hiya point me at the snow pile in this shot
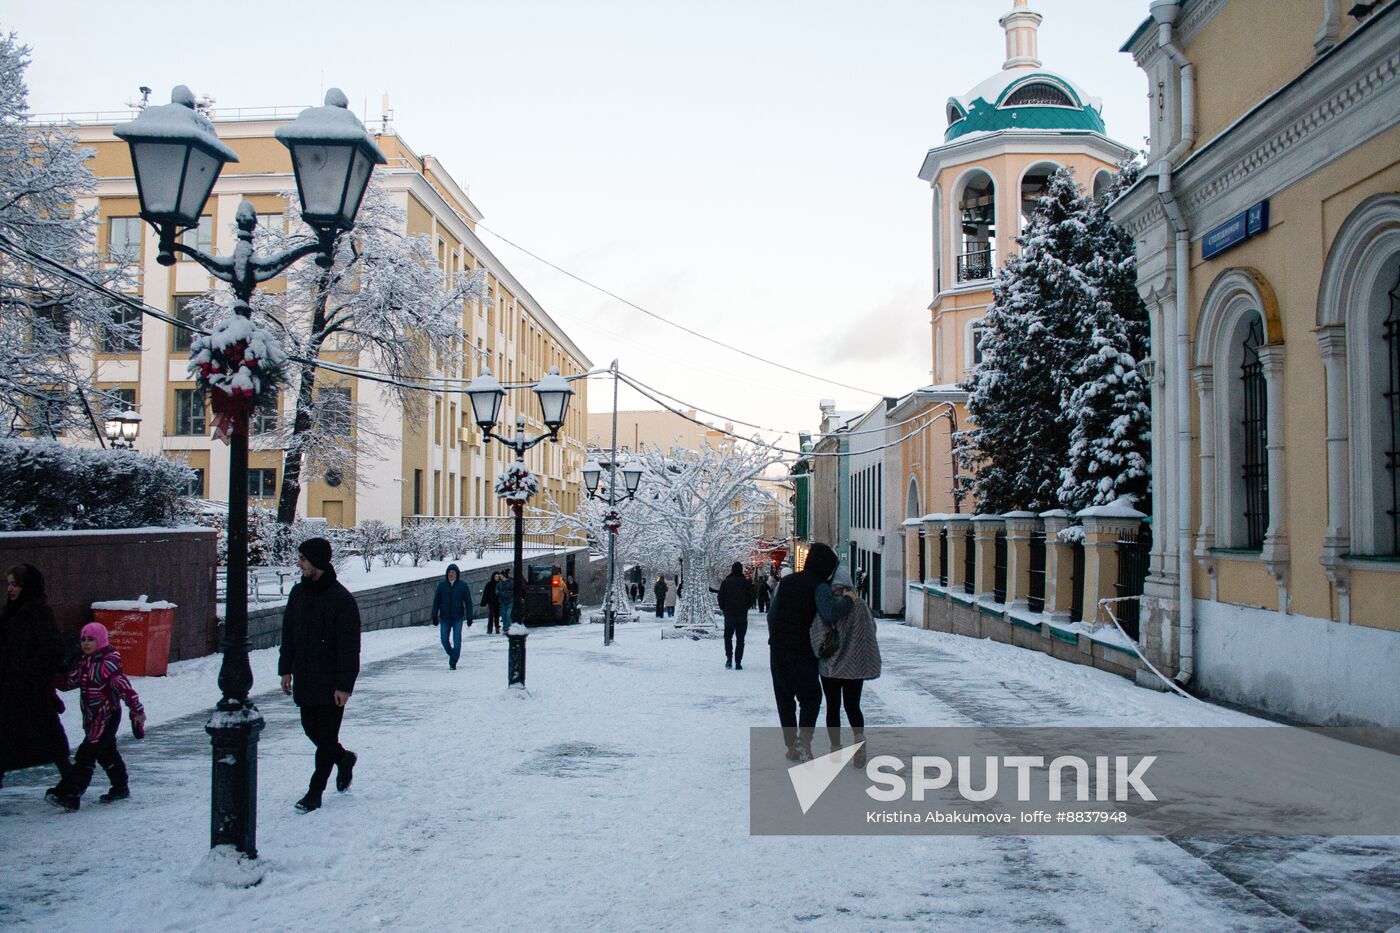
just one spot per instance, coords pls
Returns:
(133, 605)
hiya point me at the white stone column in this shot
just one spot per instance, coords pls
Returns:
(1275, 551)
(1336, 541)
(1205, 394)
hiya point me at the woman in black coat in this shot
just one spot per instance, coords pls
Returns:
(31, 653)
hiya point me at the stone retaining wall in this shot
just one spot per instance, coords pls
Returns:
(399, 605)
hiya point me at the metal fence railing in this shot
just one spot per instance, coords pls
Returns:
(1134, 554)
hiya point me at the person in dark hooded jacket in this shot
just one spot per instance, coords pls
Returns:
(735, 598)
(31, 653)
(452, 603)
(319, 661)
(800, 598)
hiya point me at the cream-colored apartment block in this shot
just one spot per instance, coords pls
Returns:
(436, 466)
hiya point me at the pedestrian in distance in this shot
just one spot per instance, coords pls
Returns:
(801, 596)
(844, 673)
(31, 652)
(673, 593)
(452, 603)
(319, 661)
(760, 590)
(104, 687)
(735, 598)
(492, 600)
(660, 590)
(505, 593)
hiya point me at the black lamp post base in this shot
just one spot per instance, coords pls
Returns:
(515, 662)
(233, 730)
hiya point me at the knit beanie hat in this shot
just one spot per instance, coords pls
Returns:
(841, 578)
(317, 551)
(96, 631)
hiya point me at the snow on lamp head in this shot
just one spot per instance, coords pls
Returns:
(632, 476)
(554, 393)
(332, 156)
(592, 473)
(177, 157)
(486, 393)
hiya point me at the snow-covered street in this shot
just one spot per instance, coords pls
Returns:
(615, 797)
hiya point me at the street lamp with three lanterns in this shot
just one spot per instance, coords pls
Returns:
(486, 394)
(177, 157)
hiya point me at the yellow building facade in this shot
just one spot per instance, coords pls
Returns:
(436, 466)
(1267, 229)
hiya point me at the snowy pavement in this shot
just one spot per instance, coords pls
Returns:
(615, 797)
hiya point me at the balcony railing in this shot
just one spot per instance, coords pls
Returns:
(974, 265)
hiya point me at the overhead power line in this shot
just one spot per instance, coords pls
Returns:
(665, 320)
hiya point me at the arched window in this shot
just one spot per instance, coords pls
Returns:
(1033, 185)
(977, 211)
(1254, 441)
(1357, 332)
(1239, 384)
(1038, 94)
(937, 240)
(955, 114)
(1390, 415)
(1103, 181)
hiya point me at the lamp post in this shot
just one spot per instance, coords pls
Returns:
(121, 429)
(631, 479)
(486, 394)
(177, 157)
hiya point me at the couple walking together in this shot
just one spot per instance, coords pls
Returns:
(808, 605)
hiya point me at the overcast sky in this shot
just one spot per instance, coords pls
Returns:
(748, 169)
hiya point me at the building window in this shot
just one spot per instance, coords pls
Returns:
(189, 412)
(1390, 334)
(1034, 184)
(264, 419)
(48, 410)
(1038, 94)
(124, 238)
(118, 400)
(124, 336)
(194, 486)
(182, 337)
(52, 327)
(417, 492)
(262, 482)
(979, 332)
(334, 409)
(1254, 464)
(201, 236)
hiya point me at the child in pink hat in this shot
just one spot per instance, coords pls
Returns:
(98, 674)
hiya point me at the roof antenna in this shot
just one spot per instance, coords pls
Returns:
(385, 113)
(145, 99)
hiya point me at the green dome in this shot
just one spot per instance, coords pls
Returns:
(1023, 99)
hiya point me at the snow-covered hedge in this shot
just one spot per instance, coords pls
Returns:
(48, 486)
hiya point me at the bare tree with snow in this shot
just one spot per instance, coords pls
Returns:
(49, 326)
(384, 305)
(701, 506)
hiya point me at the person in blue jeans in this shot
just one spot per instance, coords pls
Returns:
(505, 592)
(452, 604)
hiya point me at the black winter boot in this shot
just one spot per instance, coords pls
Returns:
(345, 771)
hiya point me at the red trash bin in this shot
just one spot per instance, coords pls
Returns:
(140, 631)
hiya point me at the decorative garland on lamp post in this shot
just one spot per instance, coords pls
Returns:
(239, 365)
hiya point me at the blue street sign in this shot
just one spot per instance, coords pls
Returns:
(1236, 230)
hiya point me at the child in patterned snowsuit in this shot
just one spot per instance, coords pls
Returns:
(98, 674)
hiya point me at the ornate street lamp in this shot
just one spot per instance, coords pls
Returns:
(177, 157)
(121, 428)
(486, 394)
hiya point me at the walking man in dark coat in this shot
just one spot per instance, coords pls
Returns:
(799, 599)
(735, 598)
(319, 662)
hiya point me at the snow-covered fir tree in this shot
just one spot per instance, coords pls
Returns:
(1108, 408)
(1060, 343)
(50, 326)
(385, 305)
